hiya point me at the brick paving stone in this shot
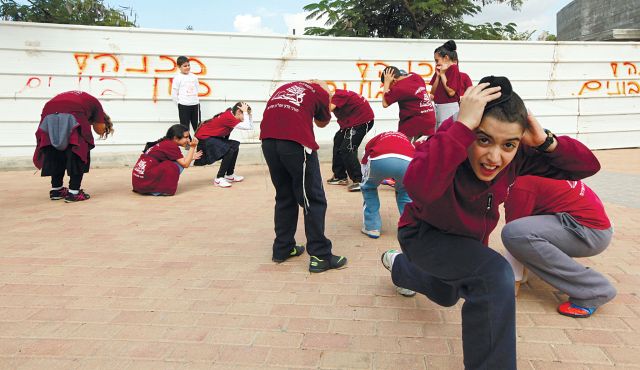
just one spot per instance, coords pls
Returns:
(132, 294)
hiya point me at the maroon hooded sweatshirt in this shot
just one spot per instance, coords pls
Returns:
(447, 194)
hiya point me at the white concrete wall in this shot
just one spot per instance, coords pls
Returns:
(587, 90)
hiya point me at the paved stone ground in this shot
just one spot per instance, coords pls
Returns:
(131, 282)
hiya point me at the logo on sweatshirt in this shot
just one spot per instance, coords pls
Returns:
(294, 95)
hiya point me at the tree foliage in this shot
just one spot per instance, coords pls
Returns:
(439, 19)
(86, 12)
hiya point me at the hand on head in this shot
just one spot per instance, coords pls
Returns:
(388, 75)
(534, 135)
(244, 107)
(473, 102)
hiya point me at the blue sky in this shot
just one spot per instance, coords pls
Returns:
(280, 16)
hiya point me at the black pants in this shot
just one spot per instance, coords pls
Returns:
(228, 165)
(189, 113)
(57, 162)
(447, 267)
(345, 152)
(291, 169)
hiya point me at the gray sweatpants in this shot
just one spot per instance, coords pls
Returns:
(545, 244)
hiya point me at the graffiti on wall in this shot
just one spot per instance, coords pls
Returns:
(102, 74)
(369, 73)
(625, 81)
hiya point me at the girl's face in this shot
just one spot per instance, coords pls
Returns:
(494, 148)
(441, 60)
(185, 68)
(182, 141)
(239, 115)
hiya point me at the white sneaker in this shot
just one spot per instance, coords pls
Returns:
(373, 234)
(388, 257)
(222, 182)
(234, 178)
(405, 292)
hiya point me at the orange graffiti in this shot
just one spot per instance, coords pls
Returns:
(203, 67)
(592, 85)
(81, 60)
(174, 65)
(103, 65)
(614, 87)
(363, 67)
(207, 92)
(144, 69)
(630, 66)
(108, 91)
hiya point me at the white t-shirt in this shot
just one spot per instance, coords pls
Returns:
(185, 89)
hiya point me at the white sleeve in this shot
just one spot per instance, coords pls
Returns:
(175, 87)
(246, 124)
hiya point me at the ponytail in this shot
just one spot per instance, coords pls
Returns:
(448, 49)
(176, 130)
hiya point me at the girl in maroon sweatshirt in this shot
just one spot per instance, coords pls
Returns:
(548, 223)
(215, 143)
(456, 180)
(64, 141)
(417, 116)
(446, 83)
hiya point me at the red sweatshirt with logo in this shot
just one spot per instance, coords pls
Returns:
(447, 194)
(533, 195)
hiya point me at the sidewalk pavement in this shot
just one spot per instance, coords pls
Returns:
(124, 281)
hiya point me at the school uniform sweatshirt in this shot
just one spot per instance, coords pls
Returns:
(447, 194)
(533, 195)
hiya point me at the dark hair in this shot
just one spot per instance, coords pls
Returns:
(174, 131)
(396, 72)
(448, 49)
(108, 126)
(511, 110)
(235, 108)
(182, 60)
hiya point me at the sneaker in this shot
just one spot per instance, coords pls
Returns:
(354, 187)
(373, 234)
(336, 181)
(388, 257)
(234, 178)
(295, 252)
(72, 198)
(335, 262)
(58, 194)
(573, 310)
(389, 182)
(222, 182)
(405, 292)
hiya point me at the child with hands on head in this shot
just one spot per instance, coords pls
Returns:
(215, 143)
(417, 117)
(456, 181)
(158, 169)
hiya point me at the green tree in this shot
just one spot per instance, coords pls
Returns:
(86, 12)
(409, 19)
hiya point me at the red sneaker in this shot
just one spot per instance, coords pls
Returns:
(72, 198)
(58, 194)
(572, 310)
(389, 182)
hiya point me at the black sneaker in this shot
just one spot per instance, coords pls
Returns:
(295, 252)
(72, 198)
(58, 194)
(335, 262)
(354, 187)
(336, 181)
